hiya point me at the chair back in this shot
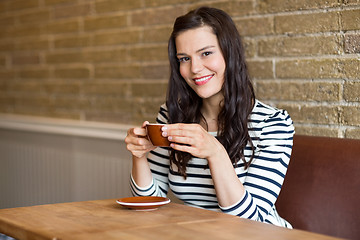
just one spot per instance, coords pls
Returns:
(321, 191)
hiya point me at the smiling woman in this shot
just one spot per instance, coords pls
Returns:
(229, 152)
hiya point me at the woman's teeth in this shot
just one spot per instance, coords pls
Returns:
(203, 80)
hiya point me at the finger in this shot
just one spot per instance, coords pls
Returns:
(187, 126)
(143, 142)
(182, 140)
(141, 132)
(178, 132)
(182, 148)
(144, 124)
(140, 145)
(142, 148)
(182, 129)
(134, 138)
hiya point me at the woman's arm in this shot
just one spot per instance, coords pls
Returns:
(228, 187)
(265, 176)
(139, 145)
(158, 164)
(150, 165)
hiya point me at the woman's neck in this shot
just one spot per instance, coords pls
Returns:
(210, 110)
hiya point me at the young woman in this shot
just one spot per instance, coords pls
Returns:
(229, 151)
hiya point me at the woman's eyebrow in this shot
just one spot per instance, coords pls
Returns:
(204, 48)
(200, 50)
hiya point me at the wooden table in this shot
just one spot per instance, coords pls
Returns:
(105, 219)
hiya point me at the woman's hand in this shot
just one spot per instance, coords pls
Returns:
(194, 139)
(137, 142)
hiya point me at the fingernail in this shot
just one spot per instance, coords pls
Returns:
(164, 134)
(164, 128)
(170, 138)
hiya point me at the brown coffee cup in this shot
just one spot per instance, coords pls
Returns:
(154, 135)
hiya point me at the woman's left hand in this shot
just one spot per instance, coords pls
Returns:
(192, 138)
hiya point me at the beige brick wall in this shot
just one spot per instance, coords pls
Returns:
(106, 60)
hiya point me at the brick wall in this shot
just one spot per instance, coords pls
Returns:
(106, 60)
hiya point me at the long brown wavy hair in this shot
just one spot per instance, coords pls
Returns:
(184, 104)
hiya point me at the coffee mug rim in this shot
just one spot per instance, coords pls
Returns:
(155, 124)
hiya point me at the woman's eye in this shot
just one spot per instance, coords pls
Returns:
(184, 59)
(206, 53)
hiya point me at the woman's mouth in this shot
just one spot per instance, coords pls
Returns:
(203, 80)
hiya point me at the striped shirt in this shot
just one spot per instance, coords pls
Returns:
(271, 131)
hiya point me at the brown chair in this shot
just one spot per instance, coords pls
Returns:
(321, 191)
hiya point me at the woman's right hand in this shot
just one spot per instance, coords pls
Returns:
(137, 142)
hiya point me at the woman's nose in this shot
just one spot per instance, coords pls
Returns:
(196, 65)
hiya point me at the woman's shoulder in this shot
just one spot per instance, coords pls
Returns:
(270, 125)
(263, 113)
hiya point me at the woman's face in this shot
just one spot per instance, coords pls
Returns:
(202, 64)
